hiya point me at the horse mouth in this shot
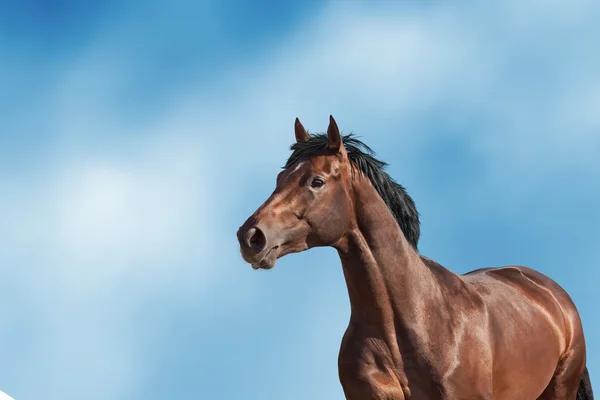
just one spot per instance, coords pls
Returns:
(268, 261)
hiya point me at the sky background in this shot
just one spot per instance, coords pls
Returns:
(135, 138)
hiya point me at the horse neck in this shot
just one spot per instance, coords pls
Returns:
(388, 282)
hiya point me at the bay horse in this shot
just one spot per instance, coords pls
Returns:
(416, 329)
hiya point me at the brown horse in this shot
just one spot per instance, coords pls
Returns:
(416, 330)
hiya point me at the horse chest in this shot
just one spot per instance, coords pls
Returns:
(369, 369)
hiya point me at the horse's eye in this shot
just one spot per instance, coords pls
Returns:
(317, 183)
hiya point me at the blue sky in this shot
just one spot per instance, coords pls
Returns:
(137, 136)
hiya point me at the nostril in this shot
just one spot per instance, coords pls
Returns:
(248, 236)
(255, 239)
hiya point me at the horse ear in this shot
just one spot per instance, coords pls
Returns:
(333, 136)
(301, 134)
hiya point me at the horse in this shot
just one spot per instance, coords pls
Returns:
(416, 330)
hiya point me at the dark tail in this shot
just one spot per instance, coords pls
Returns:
(585, 387)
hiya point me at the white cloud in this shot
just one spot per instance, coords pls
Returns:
(368, 64)
(89, 240)
(98, 210)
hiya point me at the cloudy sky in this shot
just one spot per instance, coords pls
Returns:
(137, 136)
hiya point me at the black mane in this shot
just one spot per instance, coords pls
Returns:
(398, 201)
